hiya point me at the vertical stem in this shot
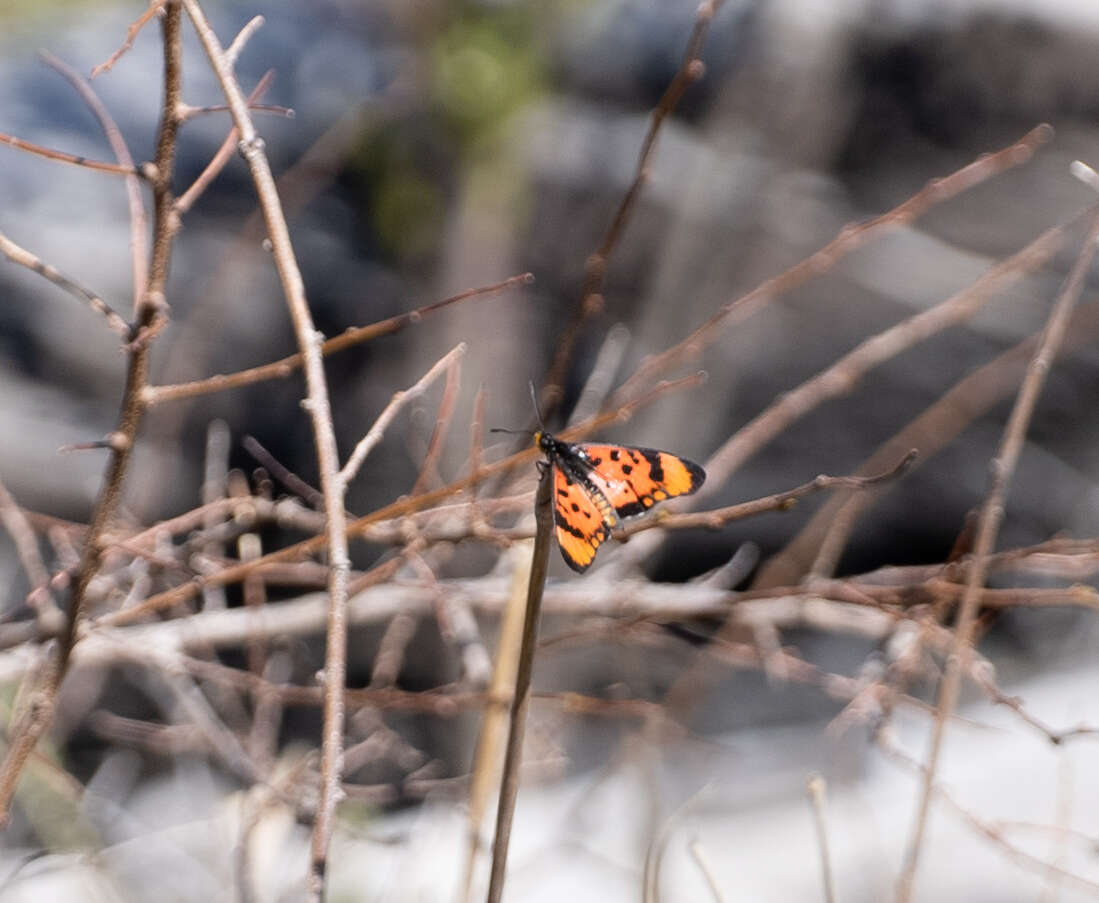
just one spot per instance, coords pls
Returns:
(324, 437)
(509, 783)
(1001, 470)
(25, 734)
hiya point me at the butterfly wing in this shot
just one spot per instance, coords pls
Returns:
(635, 479)
(581, 526)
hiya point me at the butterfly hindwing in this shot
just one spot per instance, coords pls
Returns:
(635, 479)
(581, 526)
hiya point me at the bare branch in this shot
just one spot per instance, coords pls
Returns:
(1001, 470)
(131, 34)
(138, 245)
(354, 336)
(25, 258)
(399, 400)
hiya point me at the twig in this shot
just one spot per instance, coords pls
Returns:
(24, 735)
(139, 251)
(399, 508)
(128, 41)
(1016, 855)
(842, 376)
(849, 238)
(280, 472)
(780, 501)
(1001, 470)
(224, 153)
(690, 70)
(26, 547)
(215, 481)
(816, 788)
(236, 46)
(25, 258)
(520, 701)
(190, 112)
(287, 365)
(602, 374)
(74, 159)
(825, 536)
(494, 720)
(316, 403)
(374, 434)
(703, 864)
(391, 649)
(429, 468)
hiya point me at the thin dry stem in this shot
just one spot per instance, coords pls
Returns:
(73, 159)
(317, 406)
(520, 700)
(139, 251)
(1001, 470)
(224, 153)
(354, 336)
(591, 302)
(26, 547)
(849, 238)
(844, 375)
(429, 468)
(25, 258)
(25, 734)
(131, 34)
(301, 550)
(817, 794)
(374, 435)
(820, 543)
(236, 47)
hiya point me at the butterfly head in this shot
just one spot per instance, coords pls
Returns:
(545, 442)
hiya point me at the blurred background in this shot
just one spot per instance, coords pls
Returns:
(439, 146)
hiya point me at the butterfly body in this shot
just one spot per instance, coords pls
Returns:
(595, 486)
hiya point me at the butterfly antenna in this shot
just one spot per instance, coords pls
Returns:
(500, 429)
(537, 410)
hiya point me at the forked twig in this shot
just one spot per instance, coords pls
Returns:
(223, 154)
(399, 400)
(131, 34)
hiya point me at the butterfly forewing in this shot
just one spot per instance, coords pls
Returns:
(635, 479)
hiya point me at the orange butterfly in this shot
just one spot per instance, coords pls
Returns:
(595, 485)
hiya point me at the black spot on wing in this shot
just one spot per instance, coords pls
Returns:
(630, 509)
(563, 524)
(656, 469)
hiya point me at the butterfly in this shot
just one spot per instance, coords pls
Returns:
(596, 485)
